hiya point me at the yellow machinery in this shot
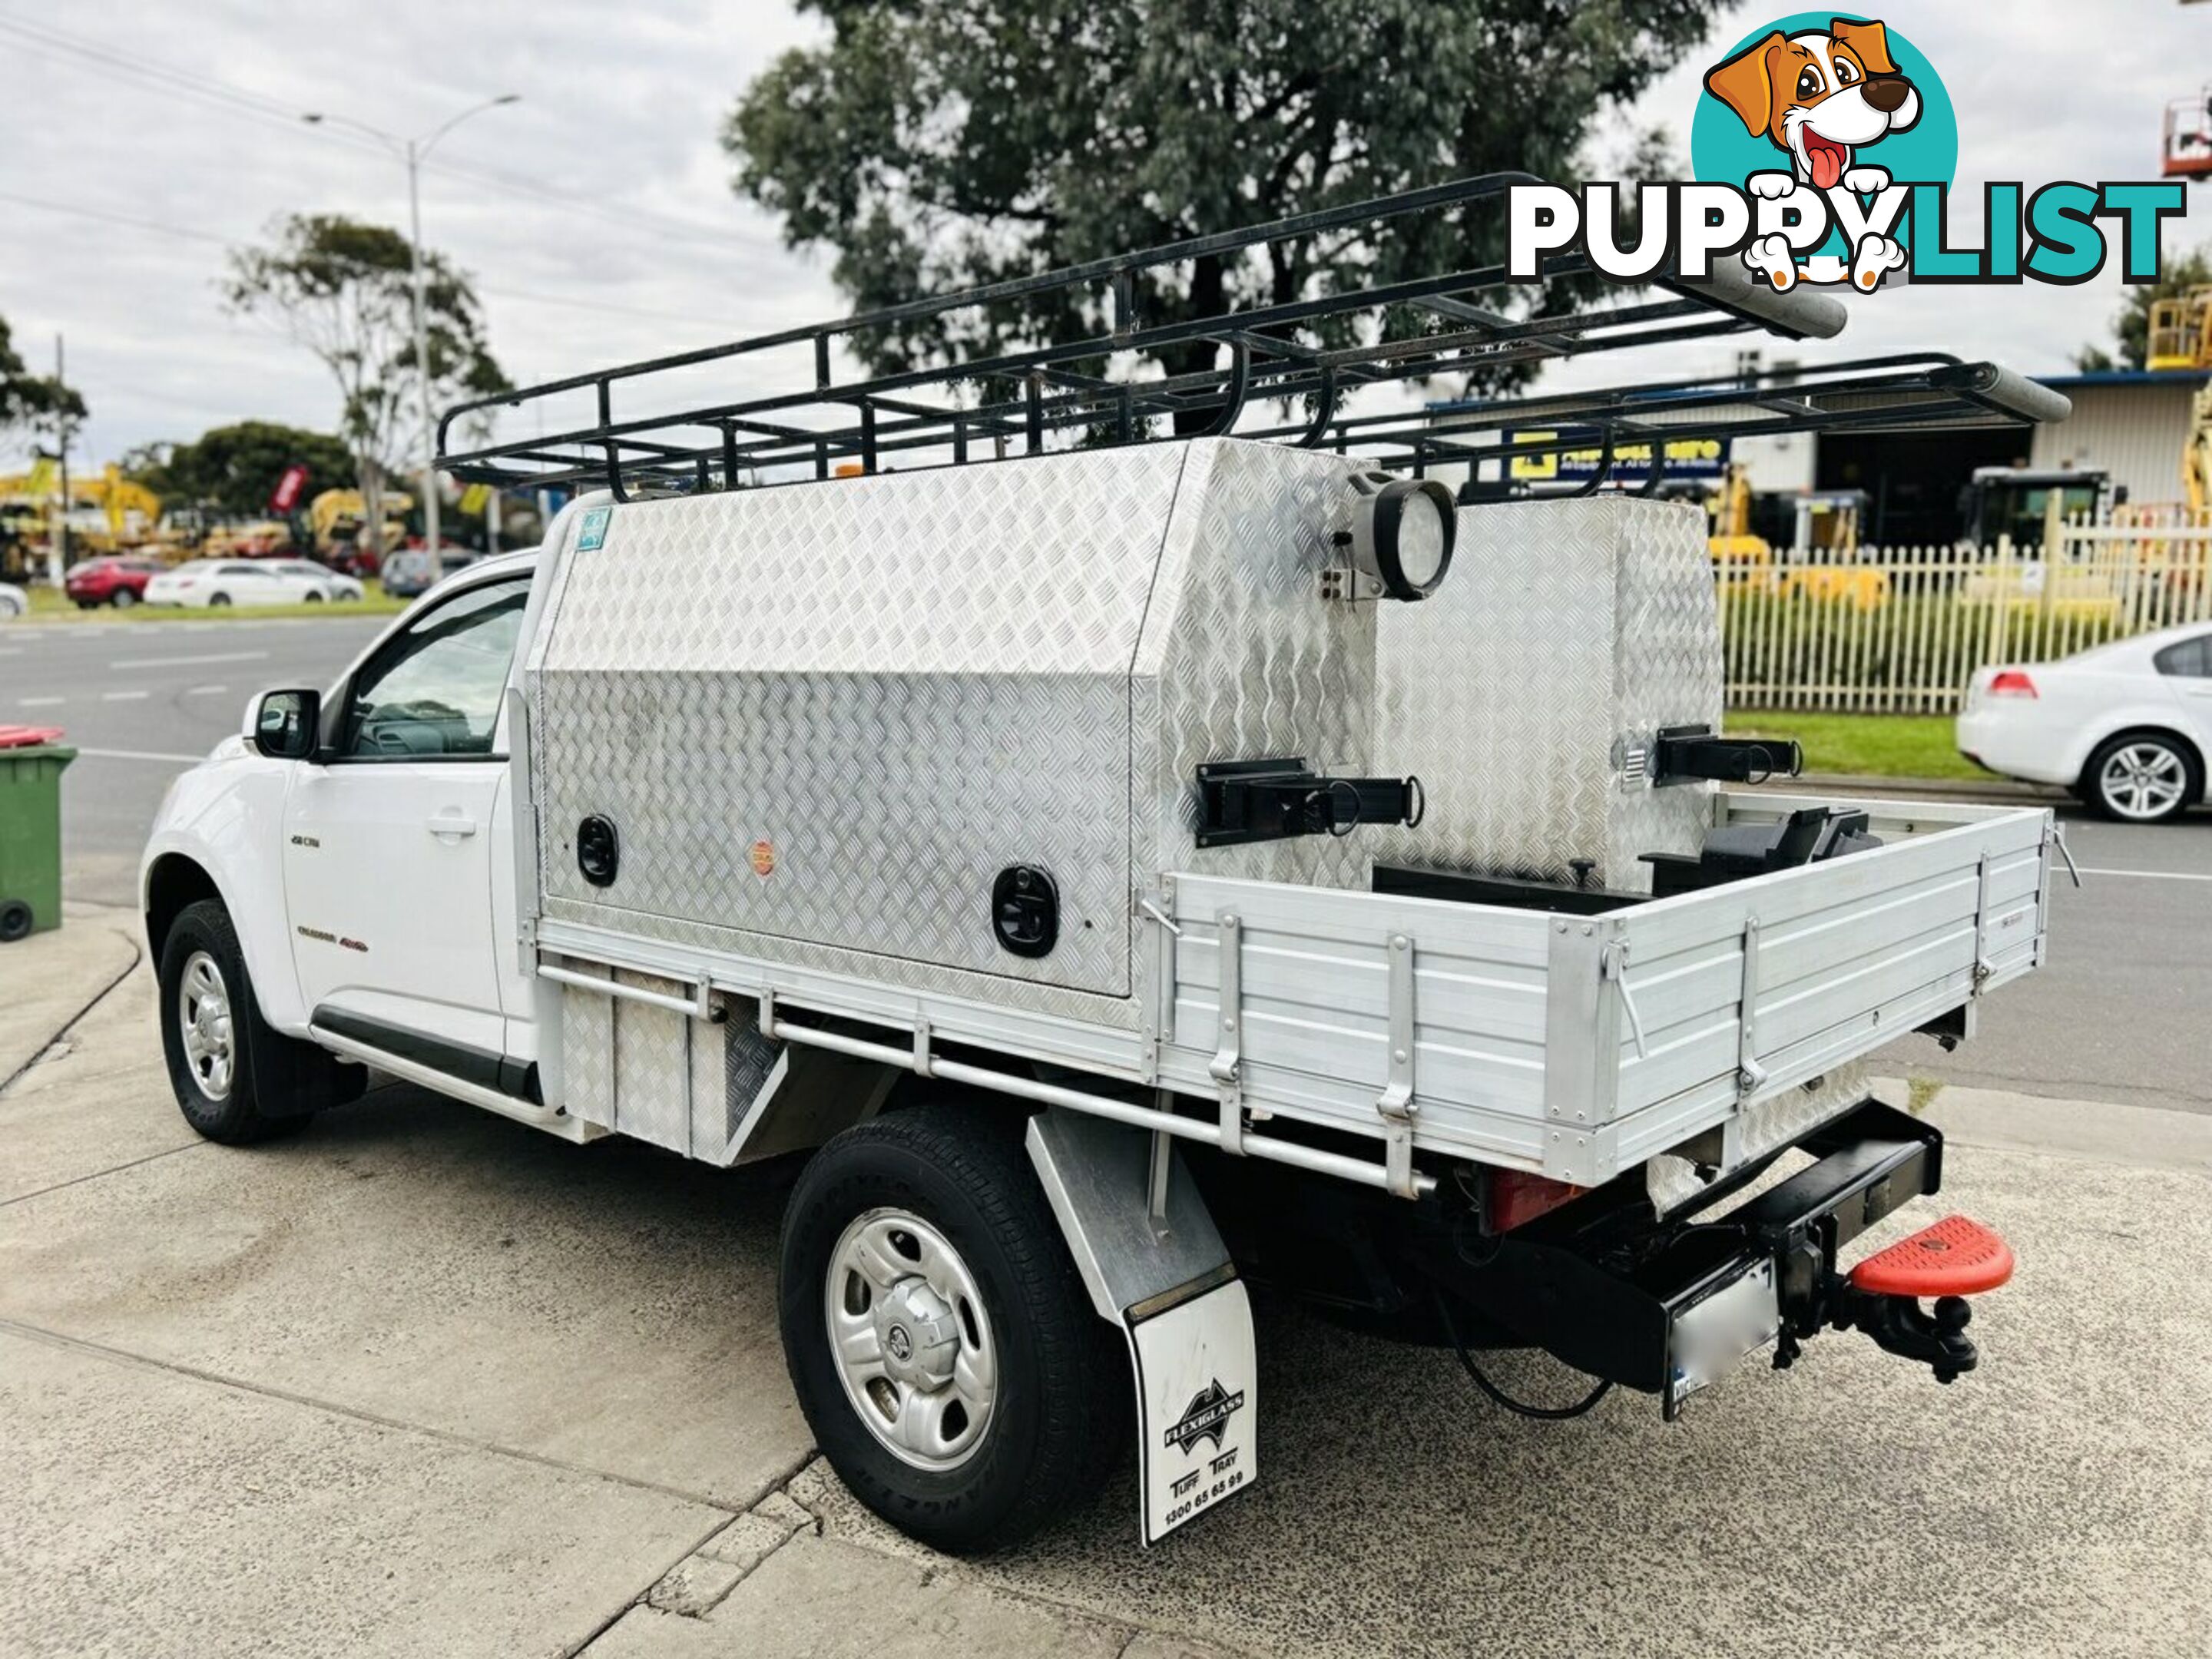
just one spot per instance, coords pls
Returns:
(2181, 337)
(1826, 525)
(337, 516)
(261, 538)
(2196, 452)
(107, 513)
(1733, 546)
(2181, 331)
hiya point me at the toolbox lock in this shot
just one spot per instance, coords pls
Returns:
(1025, 910)
(598, 850)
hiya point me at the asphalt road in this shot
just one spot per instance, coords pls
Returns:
(143, 701)
(2119, 1013)
(2123, 1009)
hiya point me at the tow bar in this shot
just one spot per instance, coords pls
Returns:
(1673, 1321)
(1953, 1260)
(1886, 1157)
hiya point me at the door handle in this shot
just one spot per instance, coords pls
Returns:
(450, 823)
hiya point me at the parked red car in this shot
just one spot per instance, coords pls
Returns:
(118, 582)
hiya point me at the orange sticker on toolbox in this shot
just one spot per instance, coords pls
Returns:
(762, 857)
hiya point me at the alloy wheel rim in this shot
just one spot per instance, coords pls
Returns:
(2143, 779)
(912, 1342)
(203, 1022)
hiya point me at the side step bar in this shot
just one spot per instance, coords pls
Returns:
(374, 1043)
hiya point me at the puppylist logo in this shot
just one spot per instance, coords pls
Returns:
(1824, 149)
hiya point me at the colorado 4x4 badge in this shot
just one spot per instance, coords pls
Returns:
(1207, 1417)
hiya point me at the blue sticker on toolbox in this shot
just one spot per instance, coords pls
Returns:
(594, 535)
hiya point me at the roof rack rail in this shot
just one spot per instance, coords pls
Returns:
(1110, 388)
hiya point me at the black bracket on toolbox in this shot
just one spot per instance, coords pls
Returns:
(1241, 801)
(1680, 753)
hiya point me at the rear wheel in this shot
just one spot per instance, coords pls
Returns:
(314, 596)
(218, 598)
(943, 1347)
(2143, 777)
(236, 1079)
(123, 599)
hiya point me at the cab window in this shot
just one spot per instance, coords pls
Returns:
(433, 690)
(2188, 659)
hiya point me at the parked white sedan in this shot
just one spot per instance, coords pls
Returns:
(336, 584)
(233, 581)
(2126, 726)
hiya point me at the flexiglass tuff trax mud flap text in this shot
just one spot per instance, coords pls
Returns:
(1156, 1267)
(1196, 1405)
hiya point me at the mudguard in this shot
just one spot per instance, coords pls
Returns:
(1157, 1270)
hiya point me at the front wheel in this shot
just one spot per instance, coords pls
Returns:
(236, 1081)
(940, 1340)
(2143, 777)
(123, 599)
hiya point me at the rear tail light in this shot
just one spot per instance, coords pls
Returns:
(1516, 1197)
(2012, 683)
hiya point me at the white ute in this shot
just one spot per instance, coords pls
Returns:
(1147, 865)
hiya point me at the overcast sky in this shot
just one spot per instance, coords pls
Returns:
(597, 217)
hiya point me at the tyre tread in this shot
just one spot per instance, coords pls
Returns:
(1082, 1376)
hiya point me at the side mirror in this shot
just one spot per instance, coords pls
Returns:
(285, 723)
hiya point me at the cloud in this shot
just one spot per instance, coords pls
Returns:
(618, 122)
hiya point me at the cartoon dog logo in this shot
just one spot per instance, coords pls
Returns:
(1820, 99)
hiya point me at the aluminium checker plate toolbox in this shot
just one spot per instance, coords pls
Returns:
(823, 717)
(1526, 692)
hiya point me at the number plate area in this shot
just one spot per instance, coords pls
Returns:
(1713, 1335)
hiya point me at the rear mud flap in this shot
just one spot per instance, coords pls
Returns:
(1157, 1269)
(1196, 1404)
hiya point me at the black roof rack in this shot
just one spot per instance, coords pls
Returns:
(1107, 388)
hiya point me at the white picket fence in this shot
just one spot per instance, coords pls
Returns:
(1901, 630)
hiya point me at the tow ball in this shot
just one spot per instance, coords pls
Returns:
(1897, 1324)
(1953, 1260)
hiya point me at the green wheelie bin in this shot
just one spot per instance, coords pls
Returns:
(32, 760)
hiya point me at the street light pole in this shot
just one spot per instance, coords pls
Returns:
(413, 152)
(430, 534)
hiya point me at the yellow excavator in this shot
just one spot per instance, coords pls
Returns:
(335, 518)
(129, 513)
(1824, 542)
(1733, 544)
